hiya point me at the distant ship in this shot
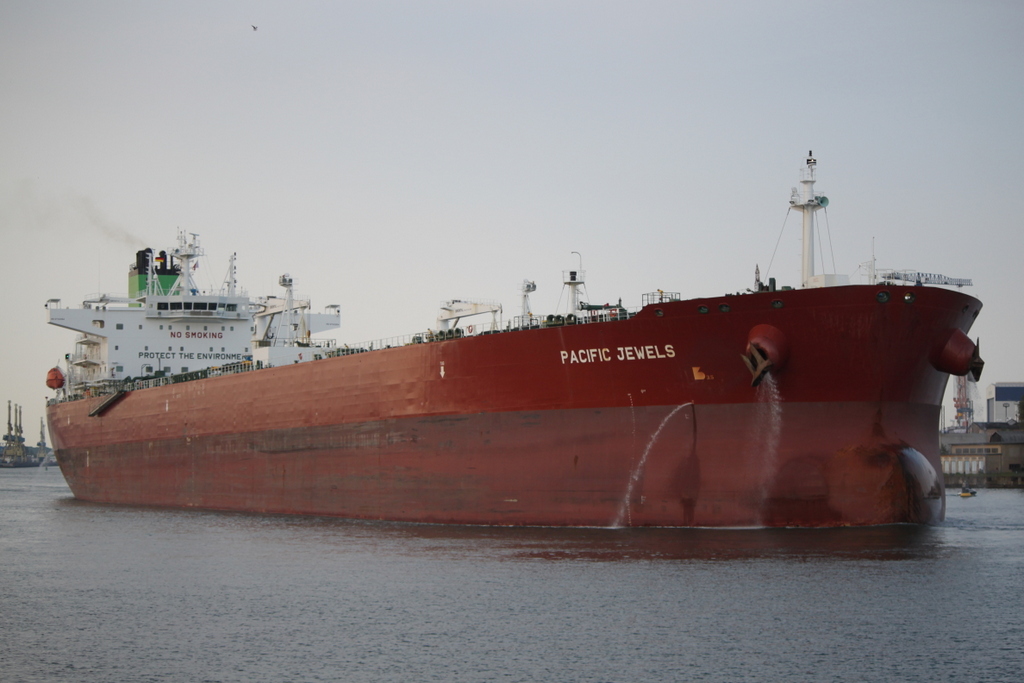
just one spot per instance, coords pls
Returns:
(814, 406)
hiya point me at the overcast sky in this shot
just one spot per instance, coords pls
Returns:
(391, 155)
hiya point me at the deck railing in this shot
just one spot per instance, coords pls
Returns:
(329, 349)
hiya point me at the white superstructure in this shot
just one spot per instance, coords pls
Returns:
(168, 326)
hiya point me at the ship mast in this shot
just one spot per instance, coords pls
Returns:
(528, 287)
(186, 252)
(573, 279)
(231, 279)
(292, 320)
(805, 201)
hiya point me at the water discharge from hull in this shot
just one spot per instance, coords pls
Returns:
(634, 477)
(766, 436)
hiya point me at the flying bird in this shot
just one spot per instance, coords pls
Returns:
(253, 27)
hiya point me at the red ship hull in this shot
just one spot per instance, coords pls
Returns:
(647, 421)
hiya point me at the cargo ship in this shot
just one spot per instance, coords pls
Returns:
(815, 405)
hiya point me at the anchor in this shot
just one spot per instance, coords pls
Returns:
(767, 349)
(977, 364)
(955, 353)
(758, 363)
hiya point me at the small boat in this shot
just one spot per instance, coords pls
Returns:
(967, 492)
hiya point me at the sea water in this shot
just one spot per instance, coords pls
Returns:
(110, 593)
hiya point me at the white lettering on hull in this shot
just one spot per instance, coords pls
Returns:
(620, 353)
